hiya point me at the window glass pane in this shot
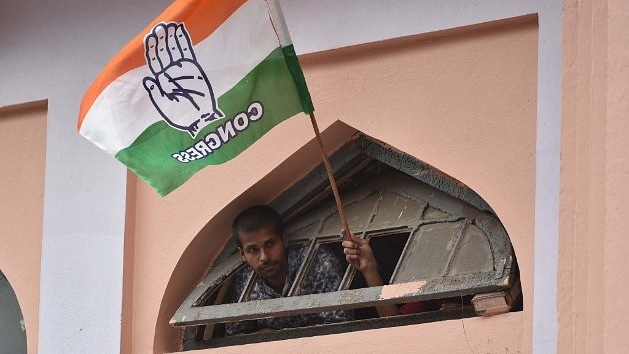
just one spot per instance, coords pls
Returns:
(432, 213)
(428, 252)
(474, 254)
(396, 209)
(357, 213)
(308, 229)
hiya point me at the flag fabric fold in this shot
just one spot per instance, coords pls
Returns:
(197, 87)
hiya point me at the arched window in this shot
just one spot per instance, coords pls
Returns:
(440, 248)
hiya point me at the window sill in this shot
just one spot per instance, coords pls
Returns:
(335, 328)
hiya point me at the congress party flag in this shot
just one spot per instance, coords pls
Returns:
(197, 87)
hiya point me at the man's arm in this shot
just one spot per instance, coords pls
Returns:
(360, 255)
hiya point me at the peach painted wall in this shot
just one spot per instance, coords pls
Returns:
(463, 101)
(500, 334)
(23, 148)
(594, 173)
(616, 177)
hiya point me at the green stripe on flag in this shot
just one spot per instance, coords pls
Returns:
(270, 83)
(298, 77)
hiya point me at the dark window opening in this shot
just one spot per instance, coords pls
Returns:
(387, 250)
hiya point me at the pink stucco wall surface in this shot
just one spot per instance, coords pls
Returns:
(21, 209)
(463, 101)
(617, 174)
(474, 335)
(594, 172)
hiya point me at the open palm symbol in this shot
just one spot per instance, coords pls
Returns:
(178, 88)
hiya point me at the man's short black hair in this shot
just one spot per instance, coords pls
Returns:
(255, 218)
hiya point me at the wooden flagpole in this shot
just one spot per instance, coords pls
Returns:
(328, 169)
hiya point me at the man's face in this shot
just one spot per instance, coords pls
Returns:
(265, 251)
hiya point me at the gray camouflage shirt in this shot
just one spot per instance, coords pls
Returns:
(325, 275)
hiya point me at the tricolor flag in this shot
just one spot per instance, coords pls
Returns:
(197, 87)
